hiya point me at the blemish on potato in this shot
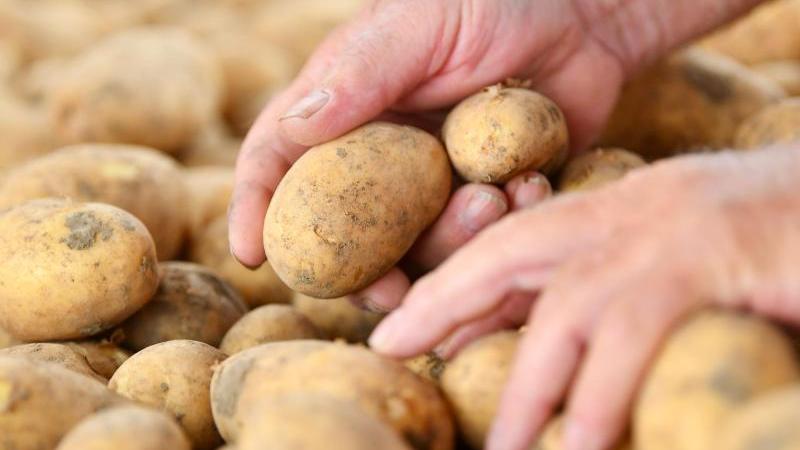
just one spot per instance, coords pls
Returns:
(85, 228)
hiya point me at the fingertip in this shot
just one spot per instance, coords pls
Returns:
(528, 190)
(385, 294)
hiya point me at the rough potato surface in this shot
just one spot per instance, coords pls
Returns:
(338, 318)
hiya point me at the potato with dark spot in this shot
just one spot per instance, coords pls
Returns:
(768, 422)
(174, 377)
(348, 210)
(381, 387)
(192, 303)
(428, 365)
(258, 287)
(338, 318)
(126, 428)
(775, 124)
(139, 180)
(104, 357)
(500, 132)
(210, 189)
(692, 101)
(784, 73)
(597, 168)
(52, 353)
(709, 367)
(72, 270)
(268, 323)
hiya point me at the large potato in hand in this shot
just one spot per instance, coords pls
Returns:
(348, 210)
(71, 270)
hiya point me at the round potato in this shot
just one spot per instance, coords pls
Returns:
(713, 364)
(268, 323)
(784, 73)
(338, 318)
(72, 270)
(428, 365)
(139, 180)
(155, 87)
(768, 422)
(214, 145)
(126, 428)
(59, 354)
(500, 132)
(191, 303)
(174, 376)
(210, 190)
(597, 168)
(103, 357)
(775, 124)
(348, 210)
(410, 405)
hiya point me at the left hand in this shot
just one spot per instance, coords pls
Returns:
(602, 277)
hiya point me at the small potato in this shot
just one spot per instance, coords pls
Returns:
(473, 382)
(104, 357)
(155, 87)
(40, 402)
(597, 168)
(268, 323)
(214, 145)
(126, 428)
(784, 73)
(312, 422)
(191, 303)
(139, 180)
(338, 318)
(59, 354)
(174, 376)
(775, 124)
(500, 132)
(71, 270)
(210, 190)
(769, 422)
(380, 387)
(427, 365)
(258, 287)
(348, 210)
(712, 365)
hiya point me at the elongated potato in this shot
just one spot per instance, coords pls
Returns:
(597, 168)
(40, 402)
(137, 179)
(104, 357)
(71, 270)
(210, 190)
(174, 376)
(59, 354)
(784, 73)
(775, 124)
(769, 421)
(268, 323)
(338, 318)
(191, 303)
(348, 210)
(410, 405)
(126, 428)
(713, 364)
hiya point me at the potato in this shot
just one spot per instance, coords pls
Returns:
(155, 87)
(191, 303)
(768, 422)
(338, 318)
(597, 168)
(784, 73)
(775, 124)
(348, 210)
(211, 188)
(410, 405)
(35, 83)
(71, 270)
(427, 365)
(59, 354)
(137, 179)
(500, 132)
(24, 129)
(6, 340)
(104, 357)
(268, 323)
(713, 364)
(40, 402)
(473, 382)
(214, 145)
(10, 60)
(310, 422)
(202, 18)
(174, 376)
(553, 434)
(693, 100)
(258, 287)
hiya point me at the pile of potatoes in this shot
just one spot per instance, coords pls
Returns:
(125, 323)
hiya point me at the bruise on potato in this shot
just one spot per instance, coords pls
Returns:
(776, 124)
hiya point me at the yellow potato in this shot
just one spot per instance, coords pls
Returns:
(597, 168)
(268, 323)
(348, 210)
(784, 73)
(769, 421)
(104, 357)
(427, 365)
(59, 354)
(210, 189)
(775, 124)
(338, 318)
(72, 270)
(35, 83)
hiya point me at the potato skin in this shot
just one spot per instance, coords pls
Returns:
(711, 365)
(72, 270)
(410, 405)
(775, 124)
(268, 323)
(348, 210)
(500, 132)
(338, 318)
(40, 402)
(104, 357)
(52, 353)
(24, 129)
(767, 422)
(174, 376)
(126, 428)
(139, 180)
(428, 365)
(784, 73)
(597, 168)
(210, 189)
(191, 303)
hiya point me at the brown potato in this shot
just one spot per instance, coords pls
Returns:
(59, 354)
(214, 145)
(348, 210)
(597, 168)
(104, 357)
(71, 270)
(410, 405)
(769, 421)
(500, 132)
(268, 323)
(210, 190)
(174, 376)
(775, 124)
(137, 179)
(784, 73)
(258, 287)
(713, 364)
(428, 366)
(338, 318)
(192, 303)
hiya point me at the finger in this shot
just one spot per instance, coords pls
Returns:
(385, 294)
(472, 208)
(528, 190)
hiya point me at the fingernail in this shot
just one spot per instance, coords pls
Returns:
(482, 209)
(384, 338)
(577, 437)
(307, 106)
(369, 305)
(534, 190)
